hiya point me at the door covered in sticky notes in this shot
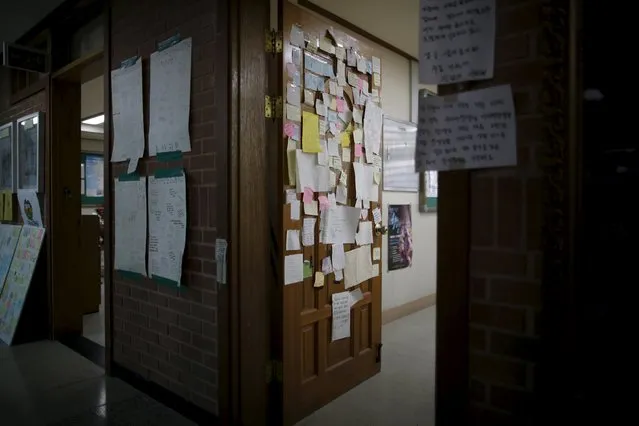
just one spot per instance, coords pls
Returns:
(332, 214)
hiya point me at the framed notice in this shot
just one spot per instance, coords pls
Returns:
(30, 138)
(7, 158)
(399, 156)
(92, 179)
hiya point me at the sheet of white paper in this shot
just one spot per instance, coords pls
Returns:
(133, 164)
(357, 116)
(341, 194)
(293, 95)
(308, 231)
(167, 226)
(377, 253)
(295, 209)
(293, 240)
(30, 207)
(337, 256)
(341, 225)
(322, 157)
(312, 208)
(479, 127)
(373, 118)
(327, 266)
(356, 296)
(170, 99)
(290, 195)
(127, 113)
(432, 186)
(297, 36)
(339, 275)
(363, 181)
(293, 113)
(130, 225)
(375, 272)
(359, 266)
(364, 233)
(377, 65)
(457, 41)
(310, 174)
(333, 147)
(341, 320)
(293, 269)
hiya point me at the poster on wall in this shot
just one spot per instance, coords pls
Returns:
(94, 176)
(30, 207)
(9, 235)
(400, 237)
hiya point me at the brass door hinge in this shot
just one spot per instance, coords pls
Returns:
(274, 371)
(273, 106)
(273, 42)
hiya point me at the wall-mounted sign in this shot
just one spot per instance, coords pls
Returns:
(30, 139)
(24, 58)
(399, 156)
(7, 158)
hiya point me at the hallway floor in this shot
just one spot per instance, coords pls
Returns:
(45, 383)
(403, 394)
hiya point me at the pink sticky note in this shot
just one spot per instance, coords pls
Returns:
(308, 195)
(340, 105)
(358, 150)
(360, 84)
(289, 129)
(323, 202)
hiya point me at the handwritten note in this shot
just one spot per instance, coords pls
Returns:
(341, 310)
(359, 266)
(127, 113)
(341, 225)
(170, 99)
(469, 130)
(167, 227)
(457, 41)
(308, 232)
(130, 225)
(293, 269)
(338, 256)
(319, 280)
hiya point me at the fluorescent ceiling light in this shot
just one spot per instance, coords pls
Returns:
(95, 120)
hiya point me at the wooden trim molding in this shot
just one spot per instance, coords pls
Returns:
(354, 28)
(397, 312)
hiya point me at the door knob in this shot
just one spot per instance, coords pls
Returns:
(380, 229)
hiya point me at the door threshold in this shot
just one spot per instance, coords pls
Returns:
(85, 347)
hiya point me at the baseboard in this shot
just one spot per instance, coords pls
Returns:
(165, 397)
(392, 314)
(85, 347)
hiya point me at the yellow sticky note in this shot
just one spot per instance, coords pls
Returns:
(345, 138)
(7, 202)
(2, 204)
(319, 279)
(333, 104)
(310, 133)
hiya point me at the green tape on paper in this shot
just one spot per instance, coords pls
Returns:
(129, 177)
(168, 173)
(308, 269)
(171, 41)
(168, 156)
(431, 202)
(133, 276)
(129, 62)
(165, 281)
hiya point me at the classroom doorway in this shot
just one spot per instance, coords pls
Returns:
(76, 197)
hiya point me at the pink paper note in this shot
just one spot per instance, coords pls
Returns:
(289, 129)
(358, 150)
(341, 105)
(323, 202)
(308, 195)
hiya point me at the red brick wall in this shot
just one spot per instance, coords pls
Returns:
(506, 225)
(166, 335)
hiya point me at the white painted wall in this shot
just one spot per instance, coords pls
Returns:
(397, 23)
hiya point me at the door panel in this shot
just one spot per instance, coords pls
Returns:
(316, 370)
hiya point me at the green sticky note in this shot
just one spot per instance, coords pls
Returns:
(308, 269)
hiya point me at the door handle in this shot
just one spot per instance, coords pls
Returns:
(380, 229)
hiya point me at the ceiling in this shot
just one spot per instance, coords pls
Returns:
(18, 17)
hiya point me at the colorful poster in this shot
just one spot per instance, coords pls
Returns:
(400, 237)
(19, 280)
(30, 207)
(9, 235)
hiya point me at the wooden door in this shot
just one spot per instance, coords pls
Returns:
(316, 369)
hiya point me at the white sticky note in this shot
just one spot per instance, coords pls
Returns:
(327, 265)
(320, 108)
(337, 256)
(339, 274)
(293, 240)
(346, 154)
(333, 148)
(377, 64)
(297, 36)
(293, 95)
(293, 113)
(377, 215)
(311, 208)
(308, 231)
(293, 269)
(377, 253)
(357, 115)
(375, 272)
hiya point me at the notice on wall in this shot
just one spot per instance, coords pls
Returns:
(18, 280)
(30, 207)
(127, 114)
(130, 225)
(170, 99)
(9, 235)
(341, 310)
(7, 205)
(469, 130)
(167, 227)
(457, 41)
(373, 119)
(400, 237)
(340, 225)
